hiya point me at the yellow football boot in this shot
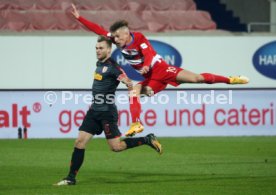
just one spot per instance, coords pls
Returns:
(238, 80)
(136, 127)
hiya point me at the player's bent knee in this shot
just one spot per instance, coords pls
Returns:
(196, 79)
(188, 77)
(148, 91)
(116, 148)
(80, 143)
(199, 79)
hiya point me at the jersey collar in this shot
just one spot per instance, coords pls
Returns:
(107, 61)
(132, 35)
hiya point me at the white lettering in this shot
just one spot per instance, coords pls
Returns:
(209, 98)
(267, 60)
(170, 59)
(182, 96)
(64, 97)
(121, 60)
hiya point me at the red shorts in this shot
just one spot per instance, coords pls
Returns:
(160, 76)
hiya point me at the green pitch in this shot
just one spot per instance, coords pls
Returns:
(222, 165)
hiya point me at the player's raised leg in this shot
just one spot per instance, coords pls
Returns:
(186, 76)
(135, 110)
(76, 159)
(118, 145)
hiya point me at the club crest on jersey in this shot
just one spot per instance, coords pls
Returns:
(104, 69)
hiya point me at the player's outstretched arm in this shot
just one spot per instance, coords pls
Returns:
(124, 79)
(128, 83)
(148, 54)
(90, 25)
(145, 69)
(75, 12)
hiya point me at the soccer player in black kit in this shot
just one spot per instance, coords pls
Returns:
(103, 115)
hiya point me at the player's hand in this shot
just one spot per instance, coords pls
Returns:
(145, 70)
(75, 12)
(129, 84)
(124, 79)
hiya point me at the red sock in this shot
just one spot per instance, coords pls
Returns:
(212, 78)
(135, 109)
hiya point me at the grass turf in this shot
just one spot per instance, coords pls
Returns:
(212, 165)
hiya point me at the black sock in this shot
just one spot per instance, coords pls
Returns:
(76, 162)
(134, 142)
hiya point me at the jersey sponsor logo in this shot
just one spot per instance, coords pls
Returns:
(104, 69)
(134, 62)
(130, 52)
(98, 77)
(168, 53)
(264, 60)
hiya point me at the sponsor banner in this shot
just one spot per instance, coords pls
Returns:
(264, 60)
(58, 114)
(40, 59)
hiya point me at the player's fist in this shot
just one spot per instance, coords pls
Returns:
(75, 12)
(144, 70)
(129, 84)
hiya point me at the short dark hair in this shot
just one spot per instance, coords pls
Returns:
(106, 39)
(115, 26)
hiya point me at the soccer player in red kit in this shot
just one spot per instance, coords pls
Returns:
(139, 53)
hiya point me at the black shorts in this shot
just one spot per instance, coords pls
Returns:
(95, 122)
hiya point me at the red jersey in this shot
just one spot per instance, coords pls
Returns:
(138, 53)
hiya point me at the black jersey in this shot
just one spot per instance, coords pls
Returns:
(105, 84)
